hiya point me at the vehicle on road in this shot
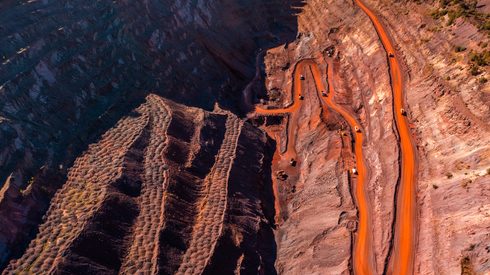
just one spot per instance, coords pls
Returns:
(302, 77)
(353, 171)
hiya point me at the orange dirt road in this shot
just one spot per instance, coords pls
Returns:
(363, 258)
(292, 110)
(404, 244)
(362, 251)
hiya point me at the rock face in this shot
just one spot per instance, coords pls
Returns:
(129, 142)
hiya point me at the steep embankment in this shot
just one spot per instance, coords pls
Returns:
(166, 188)
(430, 77)
(212, 208)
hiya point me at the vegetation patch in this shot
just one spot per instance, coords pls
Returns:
(455, 9)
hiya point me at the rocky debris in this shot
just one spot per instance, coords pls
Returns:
(70, 71)
(21, 208)
(153, 180)
(146, 199)
(246, 244)
(88, 188)
(212, 211)
(363, 85)
(281, 175)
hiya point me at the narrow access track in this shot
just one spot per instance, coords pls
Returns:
(405, 233)
(362, 252)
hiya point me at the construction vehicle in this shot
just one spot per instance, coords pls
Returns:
(357, 129)
(353, 171)
(391, 55)
(403, 112)
(324, 94)
(292, 162)
(302, 77)
(301, 97)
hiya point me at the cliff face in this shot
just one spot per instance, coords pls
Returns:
(129, 139)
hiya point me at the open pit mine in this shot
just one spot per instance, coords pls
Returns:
(245, 137)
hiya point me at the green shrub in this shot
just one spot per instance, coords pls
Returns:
(485, 25)
(436, 14)
(480, 59)
(474, 70)
(459, 49)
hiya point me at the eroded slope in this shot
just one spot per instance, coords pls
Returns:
(146, 198)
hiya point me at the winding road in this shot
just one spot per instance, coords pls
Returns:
(404, 244)
(363, 253)
(401, 258)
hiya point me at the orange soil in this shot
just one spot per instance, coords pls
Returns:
(363, 259)
(362, 250)
(292, 110)
(403, 257)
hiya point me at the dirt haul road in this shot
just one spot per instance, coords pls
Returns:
(362, 251)
(402, 259)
